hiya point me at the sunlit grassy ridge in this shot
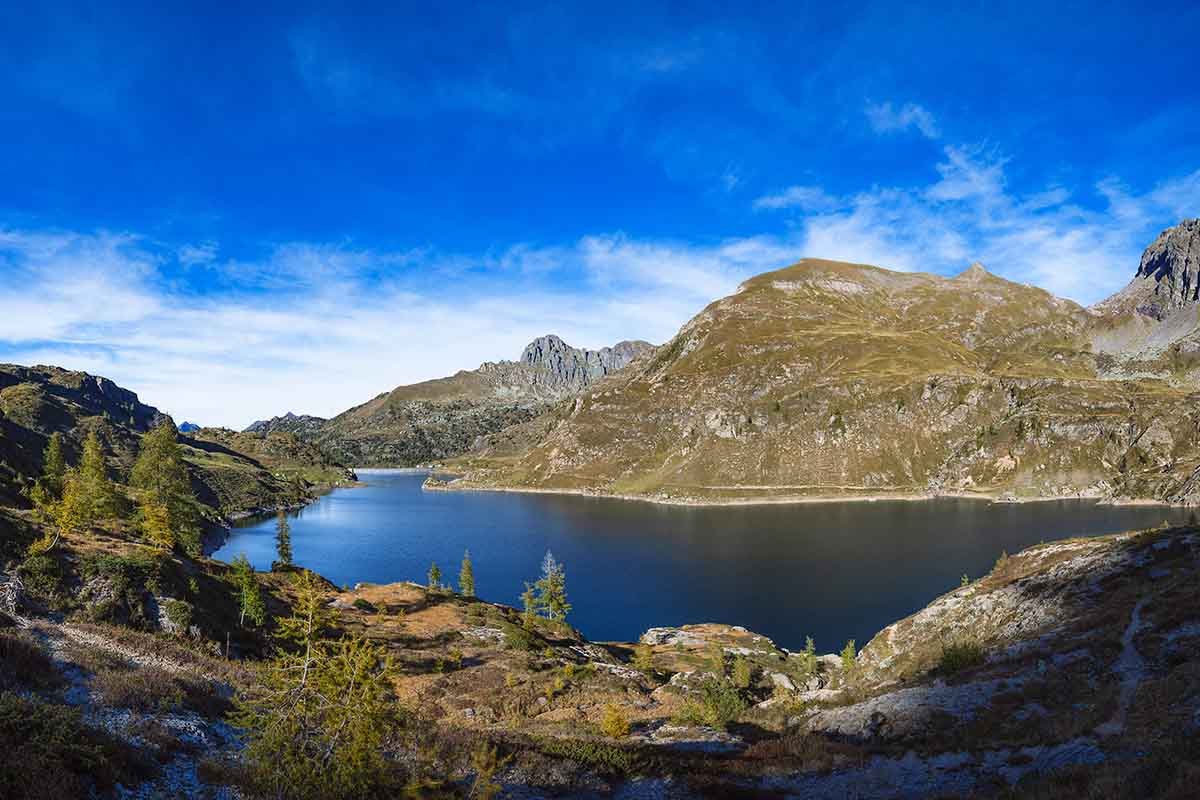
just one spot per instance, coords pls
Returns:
(827, 378)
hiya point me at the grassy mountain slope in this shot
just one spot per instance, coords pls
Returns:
(827, 378)
(230, 472)
(445, 417)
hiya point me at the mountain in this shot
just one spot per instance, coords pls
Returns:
(1152, 326)
(834, 379)
(228, 475)
(38, 401)
(303, 425)
(188, 427)
(445, 417)
(573, 368)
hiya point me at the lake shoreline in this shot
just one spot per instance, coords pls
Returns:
(694, 502)
(699, 557)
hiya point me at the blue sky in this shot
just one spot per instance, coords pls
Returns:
(241, 215)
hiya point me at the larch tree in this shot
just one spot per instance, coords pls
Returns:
(93, 473)
(552, 589)
(156, 525)
(46, 492)
(283, 540)
(643, 659)
(529, 605)
(160, 471)
(435, 576)
(250, 599)
(54, 466)
(466, 576)
(322, 714)
(74, 513)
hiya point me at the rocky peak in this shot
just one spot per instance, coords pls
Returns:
(1170, 270)
(576, 367)
(289, 423)
(973, 273)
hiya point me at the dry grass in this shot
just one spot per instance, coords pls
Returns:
(24, 663)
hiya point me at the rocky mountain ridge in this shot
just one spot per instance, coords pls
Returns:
(834, 379)
(302, 425)
(576, 368)
(446, 417)
(1152, 326)
(1168, 276)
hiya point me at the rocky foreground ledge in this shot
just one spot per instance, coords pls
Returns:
(1075, 654)
(1071, 664)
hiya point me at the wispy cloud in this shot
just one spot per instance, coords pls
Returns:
(192, 254)
(1082, 250)
(886, 118)
(804, 198)
(318, 328)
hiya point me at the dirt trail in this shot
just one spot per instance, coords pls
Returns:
(1131, 668)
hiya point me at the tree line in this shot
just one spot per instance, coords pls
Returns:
(71, 500)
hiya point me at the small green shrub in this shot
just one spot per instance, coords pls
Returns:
(957, 656)
(43, 578)
(719, 704)
(597, 755)
(742, 673)
(179, 613)
(50, 754)
(23, 663)
(518, 638)
(364, 605)
(614, 724)
(128, 580)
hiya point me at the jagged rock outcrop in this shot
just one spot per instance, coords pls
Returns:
(1151, 328)
(575, 368)
(1169, 274)
(305, 426)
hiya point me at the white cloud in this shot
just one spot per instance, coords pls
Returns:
(805, 198)
(885, 118)
(969, 213)
(194, 254)
(319, 328)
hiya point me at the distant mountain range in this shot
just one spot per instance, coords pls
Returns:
(834, 379)
(189, 427)
(446, 417)
(820, 379)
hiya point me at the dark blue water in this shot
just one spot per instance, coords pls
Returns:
(833, 571)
